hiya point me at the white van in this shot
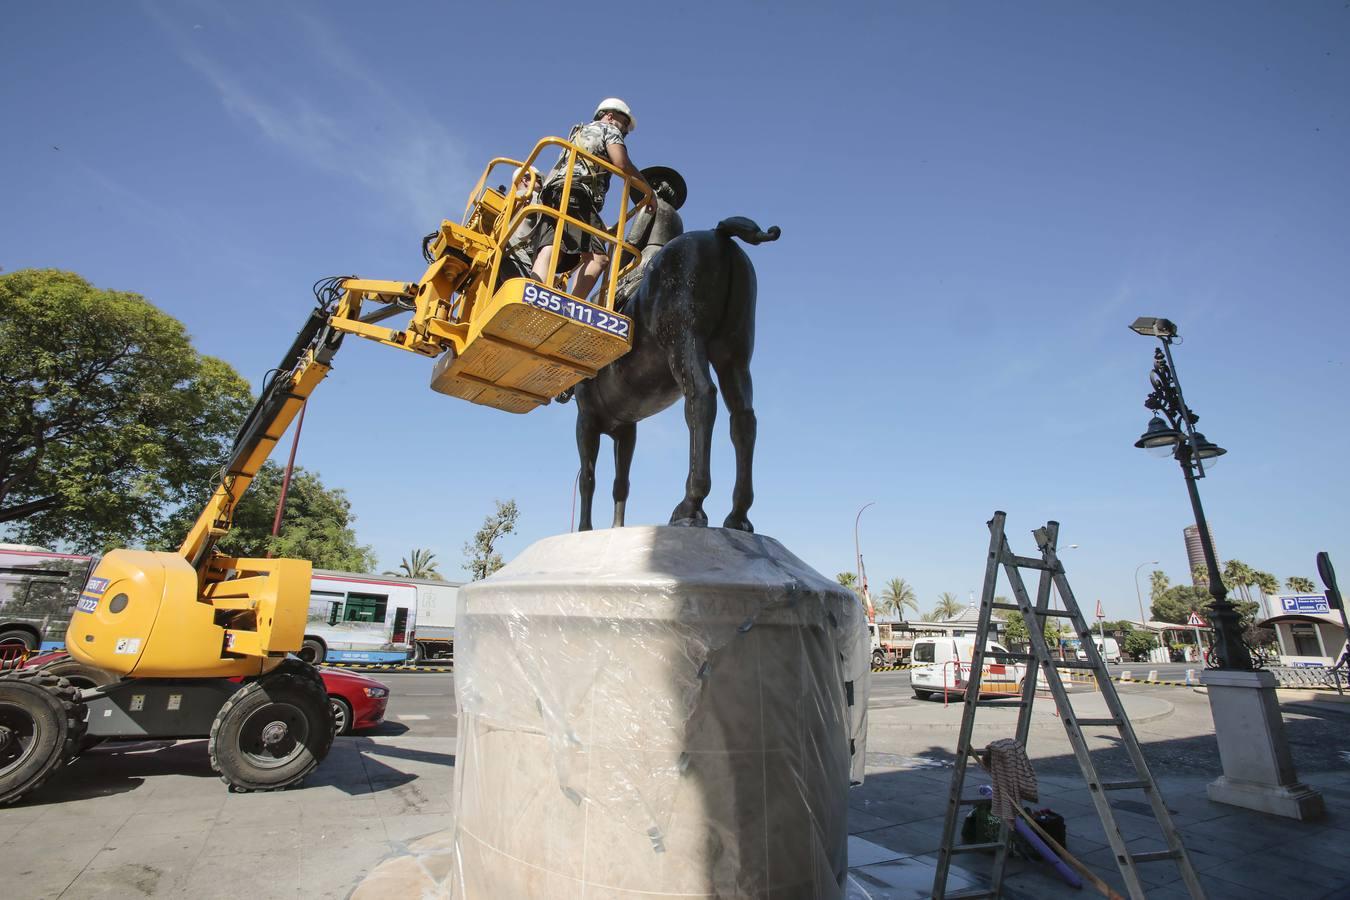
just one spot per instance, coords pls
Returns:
(1109, 651)
(944, 667)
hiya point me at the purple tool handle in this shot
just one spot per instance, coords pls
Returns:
(1062, 868)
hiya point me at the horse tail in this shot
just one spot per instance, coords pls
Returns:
(747, 230)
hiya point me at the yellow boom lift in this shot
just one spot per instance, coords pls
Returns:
(195, 643)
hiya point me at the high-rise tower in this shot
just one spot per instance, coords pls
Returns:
(1195, 554)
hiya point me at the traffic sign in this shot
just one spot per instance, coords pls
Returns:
(1196, 622)
(1304, 603)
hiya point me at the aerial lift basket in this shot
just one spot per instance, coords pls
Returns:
(512, 343)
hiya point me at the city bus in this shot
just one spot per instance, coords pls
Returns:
(372, 618)
(38, 592)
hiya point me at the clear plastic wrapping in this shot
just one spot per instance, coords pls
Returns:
(656, 711)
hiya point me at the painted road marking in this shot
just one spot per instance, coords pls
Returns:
(413, 717)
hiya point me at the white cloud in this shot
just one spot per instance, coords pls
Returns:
(341, 119)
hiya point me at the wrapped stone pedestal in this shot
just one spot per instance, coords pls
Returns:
(656, 712)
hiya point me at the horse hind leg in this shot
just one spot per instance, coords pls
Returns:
(738, 394)
(625, 439)
(689, 365)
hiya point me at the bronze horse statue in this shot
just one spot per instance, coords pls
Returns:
(693, 309)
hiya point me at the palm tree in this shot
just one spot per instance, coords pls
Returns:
(1300, 585)
(898, 597)
(421, 565)
(848, 580)
(1158, 583)
(948, 606)
(1267, 583)
(1237, 574)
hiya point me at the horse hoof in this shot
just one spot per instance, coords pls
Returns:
(690, 522)
(739, 523)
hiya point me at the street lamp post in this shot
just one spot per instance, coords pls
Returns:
(857, 558)
(1143, 622)
(1258, 768)
(1178, 437)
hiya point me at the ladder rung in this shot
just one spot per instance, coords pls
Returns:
(1154, 856)
(977, 848)
(1030, 562)
(1012, 606)
(968, 893)
(1071, 664)
(1115, 722)
(1023, 657)
(1062, 613)
(1124, 785)
(1005, 704)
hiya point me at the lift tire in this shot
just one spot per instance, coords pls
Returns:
(79, 674)
(44, 722)
(274, 731)
(313, 651)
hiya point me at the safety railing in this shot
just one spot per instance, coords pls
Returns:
(515, 208)
(961, 676)
(13, 655)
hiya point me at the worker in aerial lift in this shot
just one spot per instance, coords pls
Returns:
(603, 136)
(520, 247)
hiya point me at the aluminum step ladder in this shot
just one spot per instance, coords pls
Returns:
(1040, 658)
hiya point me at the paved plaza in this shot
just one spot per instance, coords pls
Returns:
(152, 820)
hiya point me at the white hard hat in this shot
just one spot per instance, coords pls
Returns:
(614, 104)
(520, 173)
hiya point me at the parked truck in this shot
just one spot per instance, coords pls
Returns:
(891, 644)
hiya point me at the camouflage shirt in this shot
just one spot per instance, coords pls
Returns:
(595, 138)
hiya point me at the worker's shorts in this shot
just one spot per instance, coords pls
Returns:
(580, 205)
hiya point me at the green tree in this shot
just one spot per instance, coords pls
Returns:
(947, 607)
(1200, 575)
(1137, 644)
(1300, 585)
(1240, 578)
(419, 564)
(848, 580)
(1016, 631)
(109, 418)
(898, 597)
(481, 553)
(1176, 603)
(317, 523)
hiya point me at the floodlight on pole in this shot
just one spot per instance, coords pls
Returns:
(1143, 622)
(857, 560)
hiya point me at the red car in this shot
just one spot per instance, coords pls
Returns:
(358, 700)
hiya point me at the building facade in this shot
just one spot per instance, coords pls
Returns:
(1195, 554)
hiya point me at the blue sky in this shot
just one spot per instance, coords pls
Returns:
(976, 200)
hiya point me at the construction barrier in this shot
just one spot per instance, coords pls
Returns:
(394, 668)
